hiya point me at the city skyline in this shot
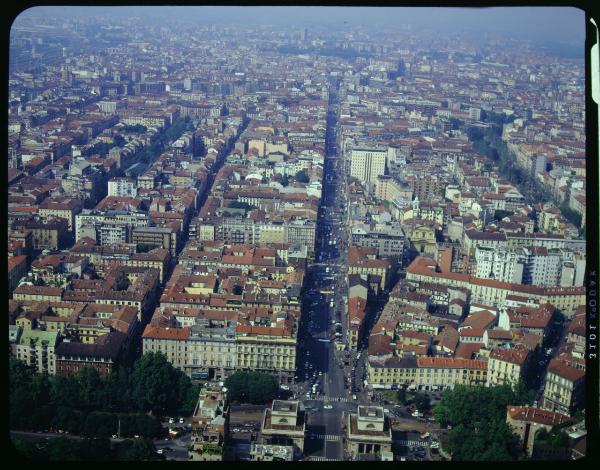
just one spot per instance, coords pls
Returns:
(298, 234)
(559, 23)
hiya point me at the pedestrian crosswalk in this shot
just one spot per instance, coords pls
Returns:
(326, 437)
(413, 443)
(337, 399)
(319, 458)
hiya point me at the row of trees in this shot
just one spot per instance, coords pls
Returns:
(98, 449)
(90, 404)
(136, 129)
(477, 416)
(489, 143)
(241, 205)
(159, 140)
(251, 387)
(300, 176)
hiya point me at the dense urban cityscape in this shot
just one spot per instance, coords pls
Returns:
(259, 242)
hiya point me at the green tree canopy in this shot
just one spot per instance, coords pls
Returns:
(302, 176)
(241, 205)
(478, 419)
(152, 381)
(422, 402)
(87, 403)
(136, 129)
(119, 141)
(251, 387)
(500, 214)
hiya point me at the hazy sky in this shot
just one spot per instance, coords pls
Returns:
(551, 23)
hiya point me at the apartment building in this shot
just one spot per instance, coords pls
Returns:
(17, 268)
(109, 227)
(104, 354)
(172, 342)
(212, 348)
(507, 366)
(122, 187)
(367, 163)
(426, 373)
(502, 265)
(266, 349)
(564, 391)
(493, 292)
(388, 239)
(64, 208)
(36, 348)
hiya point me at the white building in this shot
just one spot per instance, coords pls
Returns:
(108, 227)
(502, 265)
(36, 349)
(366, 164)
(122, 187)
(543, 266)
(572, 271)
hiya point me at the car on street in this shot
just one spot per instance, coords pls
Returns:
(327, 407)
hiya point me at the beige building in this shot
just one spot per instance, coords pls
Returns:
(426, 373)
(507, 366)
(284, 424)
(212, 350)
(66, 209)
(564, 391)
(367, 431)
(387, 188)
(362, 261)
(172, 342)
(38, 293)
(423, 239)
(266, 349)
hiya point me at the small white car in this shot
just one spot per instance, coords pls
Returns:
(327, 407)
(181, 420)
(171, 420)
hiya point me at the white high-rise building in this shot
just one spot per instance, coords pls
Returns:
(366, 164)
(543, 266)
(122, 187)
(502, 265)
